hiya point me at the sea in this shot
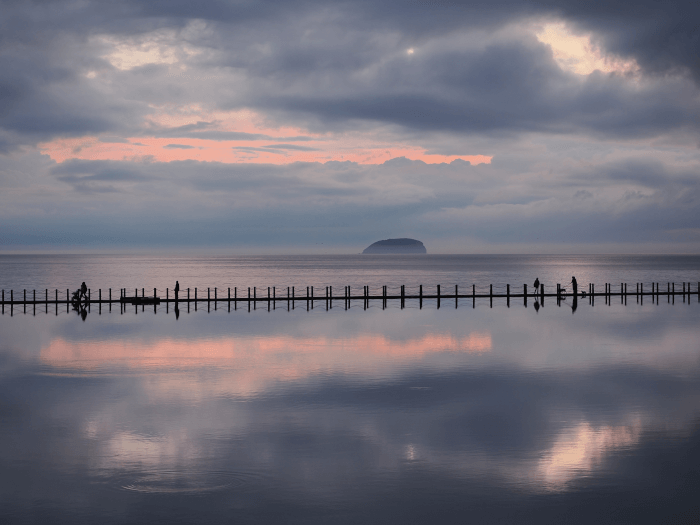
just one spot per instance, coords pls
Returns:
(464, 411)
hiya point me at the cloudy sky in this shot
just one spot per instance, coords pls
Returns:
(266, 126)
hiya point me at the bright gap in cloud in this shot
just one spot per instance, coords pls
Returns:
(241, 151)
(153, 48)
(256, 142)
(577, 54)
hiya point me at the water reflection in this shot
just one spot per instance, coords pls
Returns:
(352, 414)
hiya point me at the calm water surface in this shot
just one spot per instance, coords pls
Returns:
(480, 414)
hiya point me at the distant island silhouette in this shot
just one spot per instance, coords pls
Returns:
(401, 246)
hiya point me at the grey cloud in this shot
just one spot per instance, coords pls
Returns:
(278, 149)
(338, 65)
(178, 146)
(294, 147)
(98, 176)
(341, 202)
(193, 132)
(260, 149)
(113, 140)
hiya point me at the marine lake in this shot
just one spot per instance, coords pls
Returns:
(468, 413)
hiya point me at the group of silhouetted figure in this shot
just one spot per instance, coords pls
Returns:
(539, 289)
(80, 300)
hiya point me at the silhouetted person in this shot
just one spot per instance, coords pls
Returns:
(574, 285)
(83, 290)
(177, 291)
(537, 285)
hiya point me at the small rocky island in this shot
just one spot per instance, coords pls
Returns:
(392, 246)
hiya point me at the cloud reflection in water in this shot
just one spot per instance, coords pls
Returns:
(328, 409)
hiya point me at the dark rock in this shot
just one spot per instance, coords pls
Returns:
(390, 246)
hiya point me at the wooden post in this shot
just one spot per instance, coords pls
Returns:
(188, 297)
(508, 291)
(215, 297)
(420, 292)
(491, 290)
(525, 294)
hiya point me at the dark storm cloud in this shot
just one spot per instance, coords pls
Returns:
(347, 62)
(506, 87)
(662, 37)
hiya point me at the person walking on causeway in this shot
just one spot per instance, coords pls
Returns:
(574, 285)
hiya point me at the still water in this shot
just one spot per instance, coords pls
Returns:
(469, 414)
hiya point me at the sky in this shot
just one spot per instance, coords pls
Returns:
(322, 127)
